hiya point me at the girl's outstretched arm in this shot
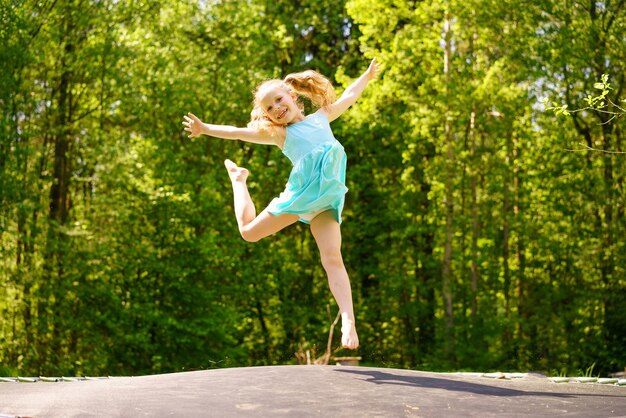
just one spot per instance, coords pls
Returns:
(196, 127)
(352, 93)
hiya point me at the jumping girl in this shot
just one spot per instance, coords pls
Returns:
(316, 189)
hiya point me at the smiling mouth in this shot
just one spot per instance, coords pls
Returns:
(281, 114)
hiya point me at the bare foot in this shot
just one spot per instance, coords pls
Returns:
(235, 172)
(349, 337)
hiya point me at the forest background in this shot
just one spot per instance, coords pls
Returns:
(481, 231)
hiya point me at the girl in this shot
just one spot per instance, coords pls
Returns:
(316, 187)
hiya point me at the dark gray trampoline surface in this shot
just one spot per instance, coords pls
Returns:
(301, 391)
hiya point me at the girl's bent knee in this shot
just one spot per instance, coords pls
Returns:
(248, 236)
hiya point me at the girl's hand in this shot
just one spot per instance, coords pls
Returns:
(193, 125)
(373, 70)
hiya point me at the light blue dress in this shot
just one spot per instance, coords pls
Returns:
(318, 178)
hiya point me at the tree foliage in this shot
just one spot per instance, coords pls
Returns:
(474, 237)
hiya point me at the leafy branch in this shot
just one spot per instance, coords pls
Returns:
(601, 102)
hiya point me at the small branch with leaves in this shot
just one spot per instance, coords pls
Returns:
(599, 103)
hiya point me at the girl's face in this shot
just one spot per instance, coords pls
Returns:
(280, 106)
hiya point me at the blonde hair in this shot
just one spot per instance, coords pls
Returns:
(309, 84)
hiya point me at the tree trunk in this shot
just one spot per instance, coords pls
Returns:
(475, 224)
(59, 191)
(50, 293)
(518, 211)
(447, 276)
(506, 226)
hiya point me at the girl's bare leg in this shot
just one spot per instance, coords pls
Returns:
(327, 234)
(252, 227)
